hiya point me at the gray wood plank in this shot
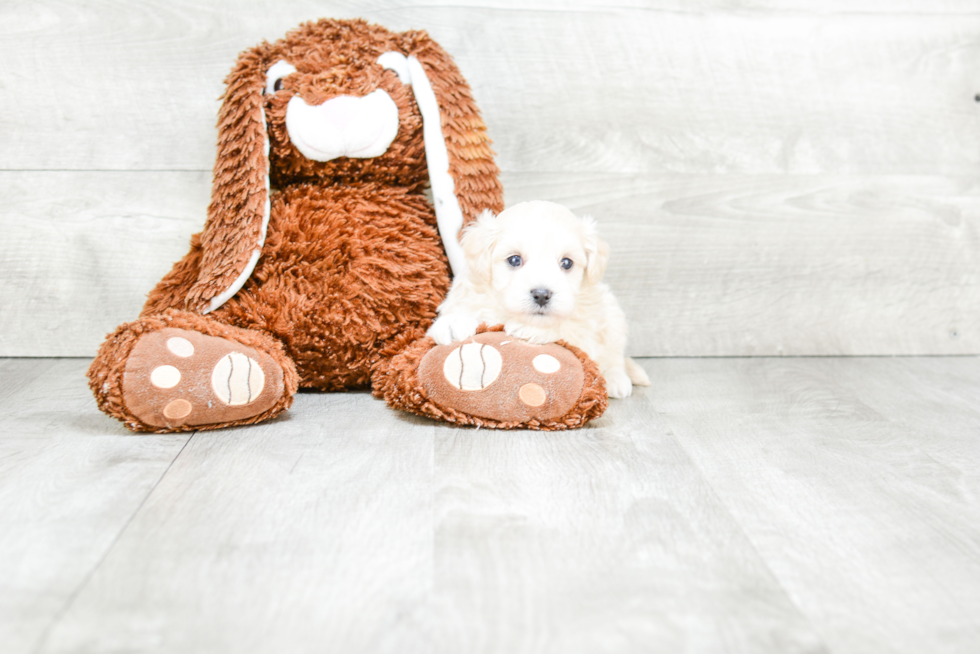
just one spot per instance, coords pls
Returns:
(703, 265)
(81, 250)
(70, 481)
(854, 479)
(723, 91)
(309, 533)
(785, 265)
(743, 87)
(601, 540)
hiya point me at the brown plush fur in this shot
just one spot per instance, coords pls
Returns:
(106, 372)
(397, 381)
(352, 262)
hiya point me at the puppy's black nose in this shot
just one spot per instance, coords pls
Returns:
(541, 296)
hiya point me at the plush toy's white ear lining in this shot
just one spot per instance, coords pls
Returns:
(236, 285)
(449, 217)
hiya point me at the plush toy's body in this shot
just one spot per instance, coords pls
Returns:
(321, 257)
(338, 280)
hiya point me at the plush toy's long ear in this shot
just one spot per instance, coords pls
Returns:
(239, 211)
(464, 178)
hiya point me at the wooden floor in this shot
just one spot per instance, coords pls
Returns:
(737, 505)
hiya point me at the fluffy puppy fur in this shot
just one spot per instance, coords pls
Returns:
(537, 269)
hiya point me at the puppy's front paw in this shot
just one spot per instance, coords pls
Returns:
(536, 335)
(618, 383)
(447, 329)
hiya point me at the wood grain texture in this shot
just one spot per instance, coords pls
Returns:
(756, 505)
(703, 265)
(348, 525)
(786, 265)
(312, 532)
(724, 91)
(606, 539)
(855, 480)
(70, 481)
(743, 87)
(80, 252)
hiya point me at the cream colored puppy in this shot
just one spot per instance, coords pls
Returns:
(537, 269)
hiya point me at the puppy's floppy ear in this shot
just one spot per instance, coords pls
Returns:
(238, 214)
(478, 240)
(464, 178)
(596, 251)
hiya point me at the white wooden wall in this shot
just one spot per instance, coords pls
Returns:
(797, 177)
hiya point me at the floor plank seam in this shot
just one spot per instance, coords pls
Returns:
(42, 641)
(718, 498)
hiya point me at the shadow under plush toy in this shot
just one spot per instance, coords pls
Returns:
(320, 263)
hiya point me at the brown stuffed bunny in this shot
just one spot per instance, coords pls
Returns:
(321, 256)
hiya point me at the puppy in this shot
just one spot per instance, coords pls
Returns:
(537, 269)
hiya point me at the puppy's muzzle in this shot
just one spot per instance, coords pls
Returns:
(541, 296)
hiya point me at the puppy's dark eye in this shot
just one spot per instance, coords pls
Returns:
(515, 261)
(565, 263)
(278, 85)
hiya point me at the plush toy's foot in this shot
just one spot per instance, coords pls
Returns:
(494, 380)
(178, 372)
(177, 377)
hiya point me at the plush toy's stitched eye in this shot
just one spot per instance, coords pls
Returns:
(276, 74)
(565, 263)
(515, 261)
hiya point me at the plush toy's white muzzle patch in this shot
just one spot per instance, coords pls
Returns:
(344, 126)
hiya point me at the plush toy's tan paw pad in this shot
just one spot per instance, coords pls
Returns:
(176, 377)
(495, 376)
